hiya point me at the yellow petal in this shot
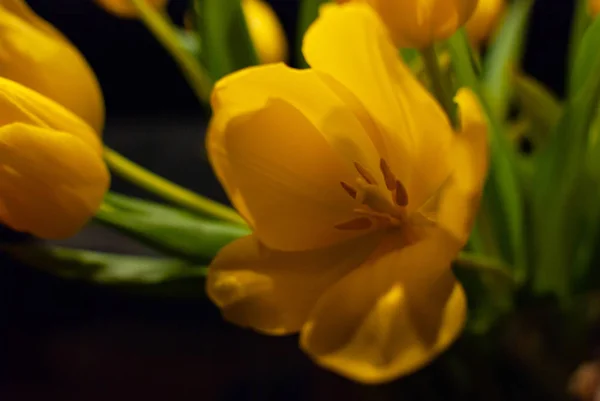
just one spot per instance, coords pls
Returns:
(391, 316)
(281, 142)
(273, 292)
(412, 131)
(51, 182)
(594, 7)
(484, 20)
(419, 23)
(35, 54)
(265, 30)
(459, 199)
(21, 104)
(125, 9)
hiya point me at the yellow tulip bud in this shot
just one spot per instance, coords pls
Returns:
(484, 20)
(125, 9)
(419, 23)
(52, 175)
(35, 54)
(265, 31)
(594, 7)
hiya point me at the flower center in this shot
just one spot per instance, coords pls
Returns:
(377, 205)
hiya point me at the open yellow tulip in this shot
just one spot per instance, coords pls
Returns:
(265, 31)
(125, 9)
(419, 23)
(52, 176)
(35, 54)
(484, 20)
(359, 194)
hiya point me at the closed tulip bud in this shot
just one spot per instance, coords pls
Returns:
(52, 175)
(265, 31)
(35, 54)
(125, 9)
(484, 20)
(420, 23)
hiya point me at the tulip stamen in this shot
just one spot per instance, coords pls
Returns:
(365, 174)
(377, 204)
(349, 190)
(399, 194)
(388, 176)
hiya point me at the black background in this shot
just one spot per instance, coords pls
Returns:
(69, 341)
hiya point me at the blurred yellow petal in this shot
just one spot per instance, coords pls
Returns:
(459, 198)
(51, 182)
(282, 142)
(21, 104)
(413, 134)
(125, 8)
(265, 30)
(484, 20)
(391, 316)
(273, 292)
(594, 7)
(35, 54)
(420, 23)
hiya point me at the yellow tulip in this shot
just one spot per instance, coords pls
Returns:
(35, 54)
(594, 7)
(419, 23)
(359, 194)
(265, 31)
(125, 9)
(484, 20)
(52, 176)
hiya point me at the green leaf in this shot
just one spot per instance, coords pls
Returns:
(587, 61)
(139, 274)
(489, 286)
(172, 231)
(410, 56)
(579, 24)
(584, 272)
(501, 217)
(540, 106)
(308, 12)
(561, 188)
(503, 58)
(226, 43)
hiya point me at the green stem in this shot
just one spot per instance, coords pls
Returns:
(441, 86)
(143, 178)
(166, 33)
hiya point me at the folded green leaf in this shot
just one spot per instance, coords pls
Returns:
(504, 57)
(308, 12)
(172, 231)
(139, 274)
(540, 106)
(226, 43)
(489, 286)
(191, 42)
(502, 203)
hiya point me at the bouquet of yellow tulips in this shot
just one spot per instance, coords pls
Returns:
(383, 206)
